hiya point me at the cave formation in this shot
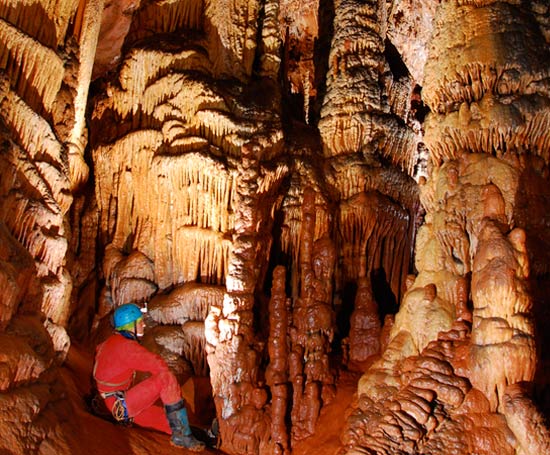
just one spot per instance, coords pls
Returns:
(334, 214)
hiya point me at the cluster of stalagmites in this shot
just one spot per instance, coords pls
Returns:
(462, 347)
(428, 406)
(191, 170)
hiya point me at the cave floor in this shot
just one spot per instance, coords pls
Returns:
(98, 436)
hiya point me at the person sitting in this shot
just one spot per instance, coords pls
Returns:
(117, 361)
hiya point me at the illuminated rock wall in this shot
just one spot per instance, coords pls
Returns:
(463, 343)
(291, 188)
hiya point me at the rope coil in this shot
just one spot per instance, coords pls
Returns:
(119, 409)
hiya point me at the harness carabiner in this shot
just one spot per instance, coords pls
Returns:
(119, 409)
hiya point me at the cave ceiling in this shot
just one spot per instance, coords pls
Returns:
(291, 189)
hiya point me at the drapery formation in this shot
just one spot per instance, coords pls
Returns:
(291, 188)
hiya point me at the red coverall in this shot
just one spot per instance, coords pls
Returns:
(117, 359)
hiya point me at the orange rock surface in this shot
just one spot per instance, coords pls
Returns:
(335, 215)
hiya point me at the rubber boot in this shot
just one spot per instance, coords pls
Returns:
(213, 434)
(181, 431)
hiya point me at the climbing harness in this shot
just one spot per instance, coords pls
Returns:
(119, 409)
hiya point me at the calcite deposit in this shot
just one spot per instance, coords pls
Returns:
(334, 216)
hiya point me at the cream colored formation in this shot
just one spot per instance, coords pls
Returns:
(484, 132)
(206, 173)
(44, 92)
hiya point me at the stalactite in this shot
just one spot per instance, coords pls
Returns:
(238, 34)
(38, 145)
(76, 139)
(347, 124)
(400, 93)
(134, 265)
(366, 222)
(352, 175)
(272, 178)
(400, 145)
(28, 59)
(129, 290)
(37, 225)
(194, 344)
(134, 79)
(482, 73)
(170, 16)
(195, 189)
(61, 10)
(516, 137)
(35, 133)
(38, 68)
(299, 25)
(189, 302)
(189, 189)
(270, 59)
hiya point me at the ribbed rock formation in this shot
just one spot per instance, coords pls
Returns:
(480, 81)
(290, 189)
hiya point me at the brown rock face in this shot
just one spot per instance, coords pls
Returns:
(311, 200)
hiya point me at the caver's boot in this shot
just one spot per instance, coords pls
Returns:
(181, 431)
(214, 429)
(213, 433)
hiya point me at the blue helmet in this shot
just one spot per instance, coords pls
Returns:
(126, 314)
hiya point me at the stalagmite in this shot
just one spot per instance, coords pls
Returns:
(525, 420)
(276, 372)
(365, 327)
(233, 359)
(312, 326)
(269, 181)
(501, 319)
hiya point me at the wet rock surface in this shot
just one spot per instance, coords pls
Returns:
(334, 215)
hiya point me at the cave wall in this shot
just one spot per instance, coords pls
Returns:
(466, 324)
(287, 186)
